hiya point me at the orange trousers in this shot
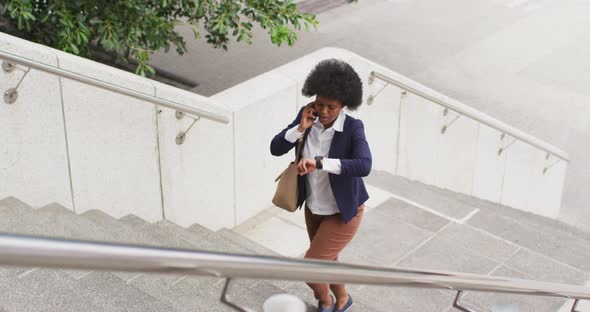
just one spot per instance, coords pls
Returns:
(328, 235)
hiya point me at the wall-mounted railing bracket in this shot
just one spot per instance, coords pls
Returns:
(458, 305)
(505, 147)
(549, 165)
(11, 95)
(180, 138)
(575, 306)
(227, 300)
(372, 97)
(371, 78)
(8, 67)
(447, 125)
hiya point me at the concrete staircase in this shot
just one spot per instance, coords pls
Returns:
(416, 226)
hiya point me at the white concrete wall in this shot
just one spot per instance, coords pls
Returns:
(197, 176)
(123, 158)
(525, 185)
(489, 169)
(260, 105)
(33, 158)
(120, 151)
(381, 117)
(112, 143)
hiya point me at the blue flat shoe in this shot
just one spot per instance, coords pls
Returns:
(328, 309)
(346, 306)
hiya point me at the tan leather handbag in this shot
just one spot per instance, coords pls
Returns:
(287, 191)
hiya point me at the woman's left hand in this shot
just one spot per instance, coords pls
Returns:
(305, 166)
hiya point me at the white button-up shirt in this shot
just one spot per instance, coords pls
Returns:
(320, 198)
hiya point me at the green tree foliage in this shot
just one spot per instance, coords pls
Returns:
(134, 29)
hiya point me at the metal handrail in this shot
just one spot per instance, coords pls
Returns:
(18, 250)
(475, 115)
(112, 87)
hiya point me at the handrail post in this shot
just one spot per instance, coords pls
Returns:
(457, 305)
(575, 306)
(227, 300)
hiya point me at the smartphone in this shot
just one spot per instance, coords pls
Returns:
(314, 112)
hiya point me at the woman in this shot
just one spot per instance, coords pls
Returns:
(335, 155)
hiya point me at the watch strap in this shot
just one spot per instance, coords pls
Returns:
(318, 162)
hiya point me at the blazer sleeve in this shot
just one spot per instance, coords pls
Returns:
(360, 162)
(279, 145)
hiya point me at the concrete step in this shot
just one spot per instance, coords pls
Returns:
(176, 290)
(386, 299)
(383, 239)
(406, 187)
(124, 233)
(19, 218)
(199, 238)
(121, 233)
(229, 241)
(245, 242)
(182, 292)
(57, 221)
(553, 225)
(152, 234)
(486, 301)
(269, 288)
(542, 238)
(416, 192)
(541, 234)
(51, 290)
(54, 220)
(14, 203)
(60, 222)
(14, 217)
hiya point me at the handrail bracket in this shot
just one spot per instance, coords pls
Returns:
(180, 137)
(505, 147)
(227, 300)
(446, 126)
(8, 67)
(459, 306)
(549, 166)
(11, 94)
(372, 97)
(575, 306)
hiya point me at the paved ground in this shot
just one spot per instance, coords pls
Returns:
(521, 61)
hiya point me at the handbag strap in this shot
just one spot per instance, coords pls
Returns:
(298, 150)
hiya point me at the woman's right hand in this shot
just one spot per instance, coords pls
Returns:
(307, 118)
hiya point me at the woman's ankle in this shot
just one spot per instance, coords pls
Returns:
(328, 302)
(341, 301)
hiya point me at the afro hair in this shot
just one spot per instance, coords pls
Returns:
(335, 79)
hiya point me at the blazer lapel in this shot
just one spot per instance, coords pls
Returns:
(336, 144)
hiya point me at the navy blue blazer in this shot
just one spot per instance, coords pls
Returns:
(351, 147)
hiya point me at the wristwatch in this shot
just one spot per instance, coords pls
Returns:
(318, 162)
